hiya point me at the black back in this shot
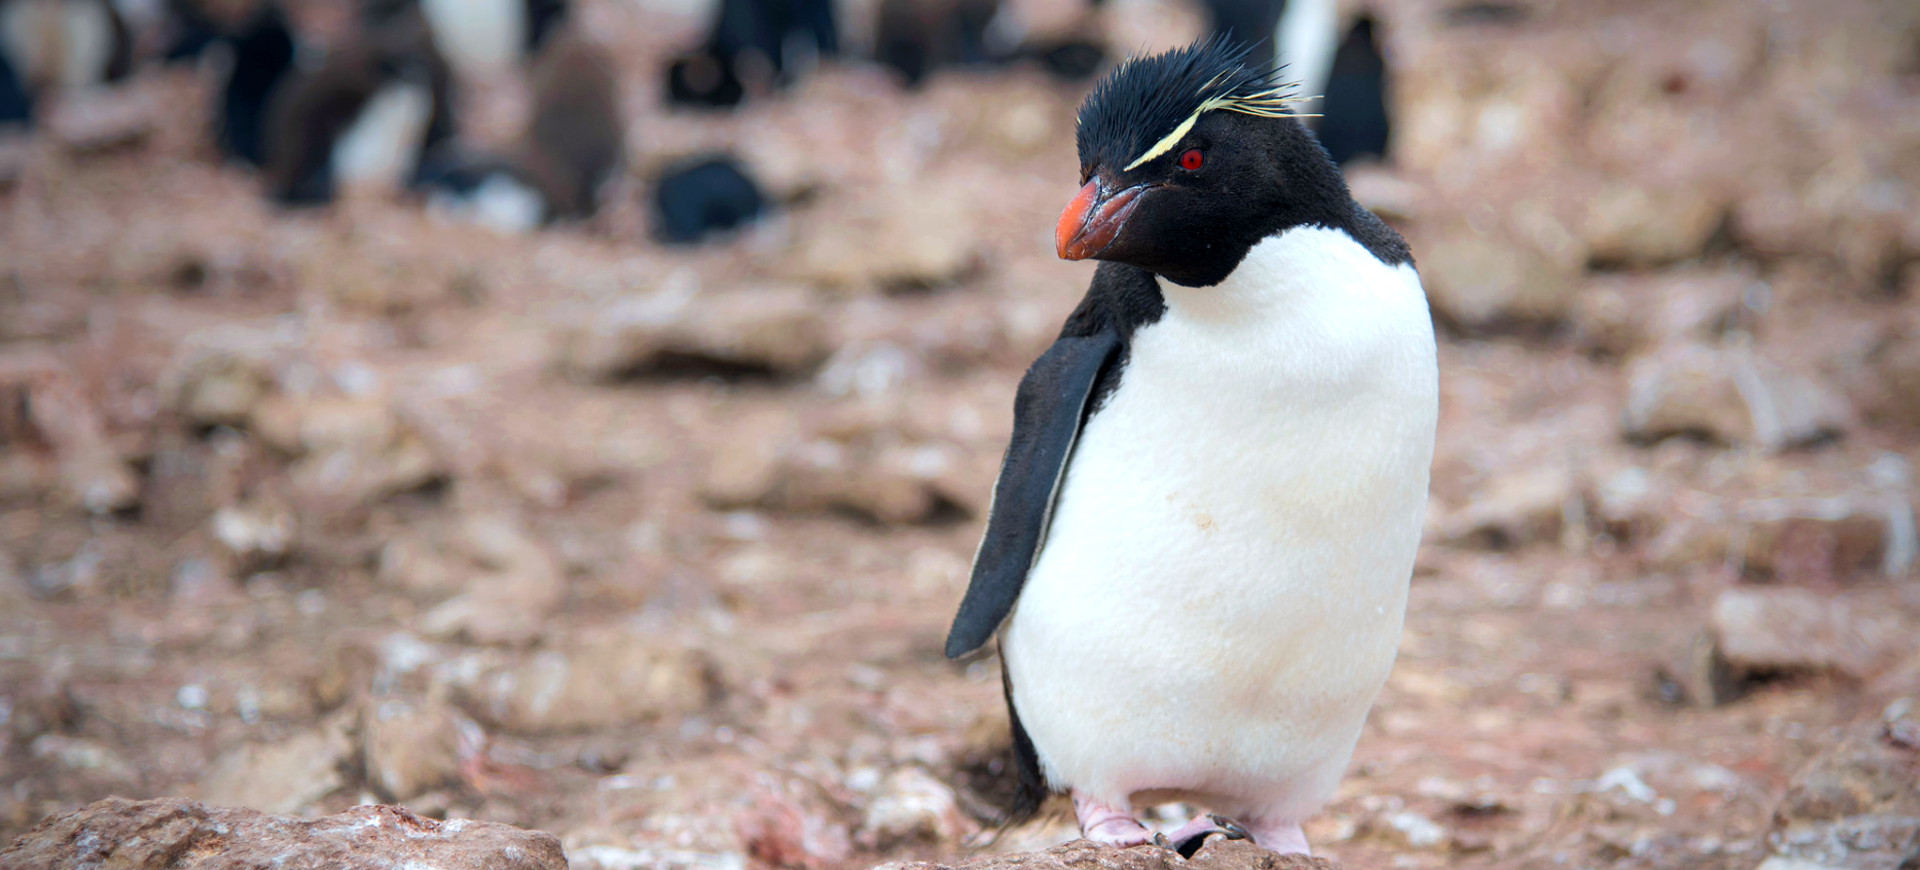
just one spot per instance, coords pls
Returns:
(766, 29)
(710, 195)
(543, 18)
(916, 37)
(1355, 108)
(16, 105)
(263, 54)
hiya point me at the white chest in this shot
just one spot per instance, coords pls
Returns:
(382, 145)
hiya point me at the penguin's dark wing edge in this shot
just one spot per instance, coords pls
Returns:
(1048, 410)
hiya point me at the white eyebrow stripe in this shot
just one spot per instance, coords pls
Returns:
(1165, 145)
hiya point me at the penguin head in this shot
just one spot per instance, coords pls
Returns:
(1187, 160)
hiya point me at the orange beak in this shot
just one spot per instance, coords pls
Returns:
(1093, 219)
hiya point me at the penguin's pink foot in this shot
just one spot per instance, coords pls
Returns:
(1188, 838)
(1104, 823)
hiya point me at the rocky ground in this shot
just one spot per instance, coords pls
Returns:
(655, 549)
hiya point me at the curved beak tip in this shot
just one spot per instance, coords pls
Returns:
(1073, 222)
(1092, 220)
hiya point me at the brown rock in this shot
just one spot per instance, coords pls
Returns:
(93, 474)
(257, 532)
(912, 805)
(97, 119)
(1896, 367)
(179, 834)
(1855, 805)
(1623, 316)
(1218, 854)
(413, 748)
(1651, 225)
(1516, 509)
(514, 583)
(887, 248)
(279, 777)
(1480, 278)
(744, 469)
(352, 449)
(781, 831)
(1789, 630)
(85, 762)
(1729, 397)
(1809, 540)
(768, 330)
(605, 678)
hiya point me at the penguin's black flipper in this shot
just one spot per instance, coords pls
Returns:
(1047, 412)
(1062, 388)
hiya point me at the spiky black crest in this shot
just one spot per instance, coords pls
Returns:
(1145, 101)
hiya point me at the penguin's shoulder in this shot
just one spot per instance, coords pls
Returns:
(1380, 240)
(1121, 300)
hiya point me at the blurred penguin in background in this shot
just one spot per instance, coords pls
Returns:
(703, 197)
(1353, 122)
(481, 37)
(916, 37)
(753, 46)
(51, 45)
(574, 141)
(366, 116)
(16, 105)
(256, 52)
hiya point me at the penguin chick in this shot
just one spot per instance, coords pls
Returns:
(577, 136)
(1199, 545)
(574, 141)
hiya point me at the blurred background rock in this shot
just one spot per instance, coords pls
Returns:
(580, 415)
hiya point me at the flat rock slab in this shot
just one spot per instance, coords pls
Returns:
(177, 833)
(1218, 854)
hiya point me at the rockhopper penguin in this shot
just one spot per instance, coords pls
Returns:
(1198, 550)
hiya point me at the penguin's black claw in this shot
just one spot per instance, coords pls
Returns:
(1234, 830)
(1191, 844)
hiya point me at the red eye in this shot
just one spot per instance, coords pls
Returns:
(1191, 160)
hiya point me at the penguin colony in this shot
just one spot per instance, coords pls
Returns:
(377, 106)
(1198, 551)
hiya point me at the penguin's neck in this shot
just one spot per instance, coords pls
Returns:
(1310, 312)
(1288, 274)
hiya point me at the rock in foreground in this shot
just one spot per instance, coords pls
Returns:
(1218, 854)
(178, 833)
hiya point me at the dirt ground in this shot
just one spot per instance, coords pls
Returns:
(656, 548)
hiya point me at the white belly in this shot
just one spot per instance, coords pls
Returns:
(479, 37)
(1222, 589)
(383, 144)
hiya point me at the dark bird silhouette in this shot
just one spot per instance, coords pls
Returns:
(753, 46)
(703, 196)
(1353, 119)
